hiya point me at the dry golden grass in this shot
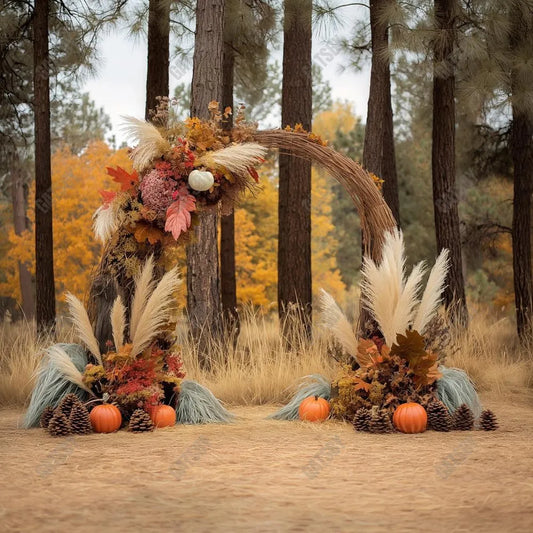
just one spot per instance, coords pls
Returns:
(260, 370)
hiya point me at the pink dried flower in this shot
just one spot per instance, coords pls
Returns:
(156, 190)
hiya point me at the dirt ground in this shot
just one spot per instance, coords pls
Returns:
(261, 475)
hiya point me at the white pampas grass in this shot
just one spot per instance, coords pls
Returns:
(150, 143)
(83, 326)
(62, 362)
(156, 313)
(433, 292)
(105, 223)
(118, 322)
(236, 158)
(335, 321)
(393, 300)
(144, 285)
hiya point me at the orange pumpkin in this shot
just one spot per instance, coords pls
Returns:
(105, 418)
(314, 409)
(162, 416)
(410, 418)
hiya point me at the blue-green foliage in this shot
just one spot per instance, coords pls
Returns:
(455, 388)
(198, 405)
(52, 385)
(313, 385)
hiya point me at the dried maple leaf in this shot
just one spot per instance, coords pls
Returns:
(179, 213)
(411, 347)
(146, 232)
(127, 181)
(360, 384)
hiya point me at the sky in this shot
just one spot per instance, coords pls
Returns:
(119, 85)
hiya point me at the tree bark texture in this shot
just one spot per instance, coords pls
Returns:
(522, 155)
(445, 199)
(20, 222)
(227, 223)
(158, 53)
(44, 245)
(294, 244)
(203, 286)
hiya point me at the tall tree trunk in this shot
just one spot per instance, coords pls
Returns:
(378, 151)
(203, 288)
(445, 200)
(158, 53)
(227, 223)
(44, 242)
(388, 166)
(20, 222)
(522, 154)
(294, 241)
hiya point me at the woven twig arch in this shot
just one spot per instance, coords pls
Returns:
(376, 217)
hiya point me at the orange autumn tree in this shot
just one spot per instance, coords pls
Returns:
(76, 182)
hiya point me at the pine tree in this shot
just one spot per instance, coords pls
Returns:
(445, 200)
(158, 53)
(294, 235)
(203, 286)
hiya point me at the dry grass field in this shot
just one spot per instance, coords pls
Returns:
(264, 475)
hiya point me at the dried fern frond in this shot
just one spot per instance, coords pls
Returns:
(432, 296)
(156, 313)
(118, 322)
(236, 158)
(81, 322)
(144, 286)
(60, 359)
(105, 223)
(150, 143)
(335, 321)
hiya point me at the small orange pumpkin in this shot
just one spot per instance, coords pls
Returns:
(410, 418)
(162, 416)
(105, 418)
(314, 409)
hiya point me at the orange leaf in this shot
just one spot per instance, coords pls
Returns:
(360, 384)
(108, 197)
(179, 213)
(127, 181)
(146, 232)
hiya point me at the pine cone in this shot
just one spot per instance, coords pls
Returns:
(59, 426)
(79, 420)
(463, 419)
(488, 421)
(140, 421)
(381, 422)
(439, 418)
(67, 403)
(361, 421)
(46, 416)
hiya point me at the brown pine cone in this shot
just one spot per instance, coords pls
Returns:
(488, 421)
(140, 421)
(381, 422)
(439, 418)
(361, 421)
(67, 403)
(80, 423)
(59, 425)
(46, 416)
(463, 419)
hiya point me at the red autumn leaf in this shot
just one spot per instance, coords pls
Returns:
(254, 174)
(179, 213)
(126, 180)
(108, 197)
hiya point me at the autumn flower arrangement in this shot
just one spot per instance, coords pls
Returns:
(180, 170)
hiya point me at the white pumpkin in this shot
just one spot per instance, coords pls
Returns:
(201, 180)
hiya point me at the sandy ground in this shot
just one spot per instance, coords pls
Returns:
(260, 475)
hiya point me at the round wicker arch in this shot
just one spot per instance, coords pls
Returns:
(375, 215)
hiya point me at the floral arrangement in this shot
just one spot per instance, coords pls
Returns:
(180, 170)
(142, 365)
